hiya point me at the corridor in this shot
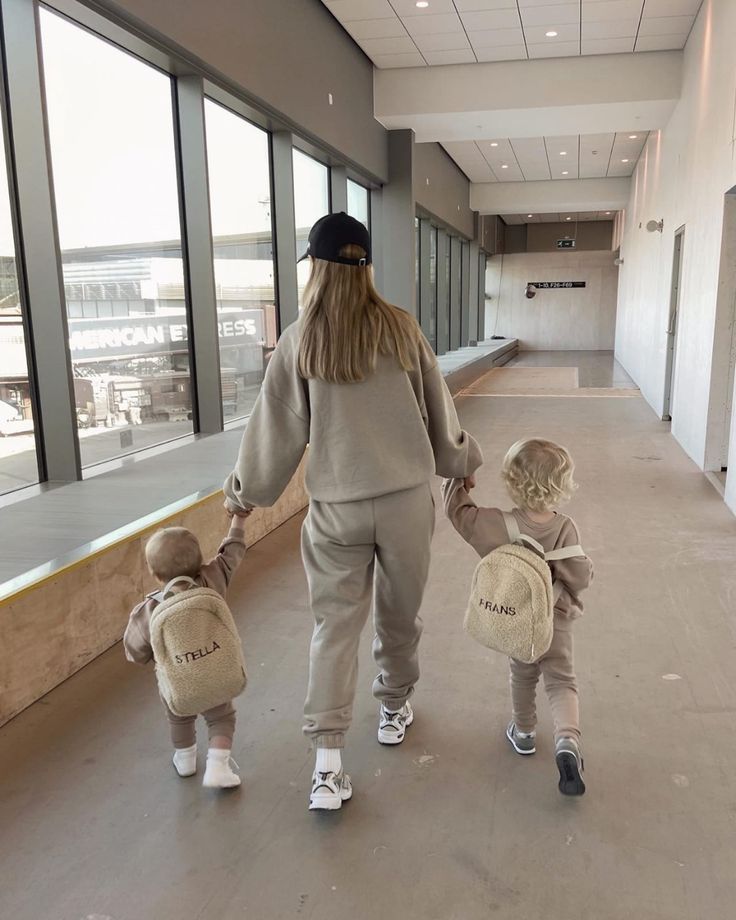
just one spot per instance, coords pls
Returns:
(452, 825)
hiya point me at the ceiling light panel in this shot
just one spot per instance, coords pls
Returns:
(469, 158)
(409, 7)
(562, 155)
(537, 35)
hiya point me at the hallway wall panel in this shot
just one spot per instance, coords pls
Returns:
(579, 319)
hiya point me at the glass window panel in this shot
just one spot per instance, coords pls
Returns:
(433, 287)
(311, 201)
(111, 129)
(358, 202)
(240, 203)
(18, 464)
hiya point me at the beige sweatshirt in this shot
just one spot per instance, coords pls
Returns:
(484, 529)
(215, 574)
(389, 432)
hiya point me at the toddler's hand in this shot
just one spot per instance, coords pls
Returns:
(469, 483)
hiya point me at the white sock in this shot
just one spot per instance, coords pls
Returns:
(185, 753)
(329, 760)
(219, 754)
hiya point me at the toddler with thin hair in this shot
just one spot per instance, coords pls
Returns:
(174, 552)
(538, 475)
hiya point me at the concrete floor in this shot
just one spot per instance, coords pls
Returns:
(452, 825)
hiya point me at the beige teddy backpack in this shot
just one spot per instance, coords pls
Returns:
(197, 649)
(512, 598)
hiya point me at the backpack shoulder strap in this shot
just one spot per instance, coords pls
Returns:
(161, 595)
(564, 552)
(512, 527)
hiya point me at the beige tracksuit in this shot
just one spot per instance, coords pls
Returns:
(373, 448)
(484, 529)
(215, 574)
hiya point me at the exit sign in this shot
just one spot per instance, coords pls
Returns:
(565, 244)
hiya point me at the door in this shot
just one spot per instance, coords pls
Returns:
(672, 326)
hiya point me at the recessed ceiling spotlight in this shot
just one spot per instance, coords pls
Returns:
(565, 172)
(563, 153)
(625, 160)
(494, 143)
(422, 4)
(633, 137)
(530, 215)
(568, 218)
(608, 212)
(504, 166)
(551, 34)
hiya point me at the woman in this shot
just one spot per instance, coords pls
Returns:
(356, 380)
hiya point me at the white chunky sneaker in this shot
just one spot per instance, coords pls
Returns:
(392, 725)
(330, 790)
(220, 772)
(185, 760)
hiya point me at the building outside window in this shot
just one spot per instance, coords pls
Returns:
(359, 203)
(111, 131)
(18, 464)
(240, 204)
(311, 201)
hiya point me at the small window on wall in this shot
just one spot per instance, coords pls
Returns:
(18, 464)
(113, 153)
(240, 205)
(311, 201)
(359, 203)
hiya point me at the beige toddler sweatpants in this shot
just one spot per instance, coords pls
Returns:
(220, 721)
(353, 552)
(558, 669)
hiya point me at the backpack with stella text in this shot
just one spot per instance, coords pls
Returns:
(512, 597)
(197, 649)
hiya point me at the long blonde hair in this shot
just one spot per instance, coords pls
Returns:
(346, 324)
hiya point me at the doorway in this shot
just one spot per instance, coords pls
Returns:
(723, 367)
(672, 326)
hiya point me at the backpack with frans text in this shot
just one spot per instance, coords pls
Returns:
(197, 649)
(512, 597)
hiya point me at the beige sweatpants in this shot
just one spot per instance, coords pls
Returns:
(558, 669)
(220, 721)
(353, 552)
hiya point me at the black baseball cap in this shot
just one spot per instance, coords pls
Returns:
(333, 231)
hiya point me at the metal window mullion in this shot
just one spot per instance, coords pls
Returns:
(465, 296)
(482, 297)
(376, 229)
(455, 276)
(39, 241)
(473, 293)
(338, 189)
(443, 299)
(284, 226)
(425, 289)
(198, 255)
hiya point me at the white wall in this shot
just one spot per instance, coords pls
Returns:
(574, 318)
(682, 178)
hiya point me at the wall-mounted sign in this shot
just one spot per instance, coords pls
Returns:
(557, 284)
(565, 244)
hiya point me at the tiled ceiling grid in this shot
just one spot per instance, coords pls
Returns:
(397, 33)
(566, 217)
(530, 159)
